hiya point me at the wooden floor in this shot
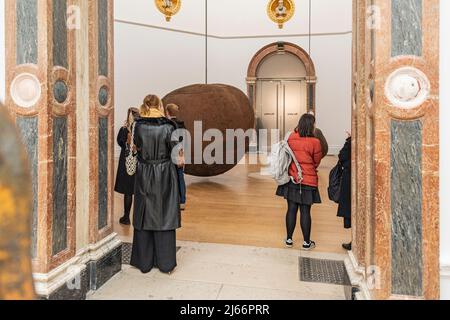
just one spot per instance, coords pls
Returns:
(240, 207)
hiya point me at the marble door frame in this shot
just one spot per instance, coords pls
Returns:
(272, 49)
(101, 110)
(396, 149)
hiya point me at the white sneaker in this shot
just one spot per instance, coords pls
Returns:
(289, 243)
(309, 246)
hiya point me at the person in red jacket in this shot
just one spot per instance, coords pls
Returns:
(302, 194)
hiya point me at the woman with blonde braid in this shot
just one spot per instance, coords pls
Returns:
(157, 197)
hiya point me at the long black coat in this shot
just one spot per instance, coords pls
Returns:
(124, 182)
(157, 197)
(345, 200)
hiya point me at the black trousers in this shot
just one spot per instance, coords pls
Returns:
(154, 249)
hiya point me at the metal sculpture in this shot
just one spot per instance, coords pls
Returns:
(215, 106)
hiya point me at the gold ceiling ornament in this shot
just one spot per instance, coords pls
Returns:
(169, 8)
(281, 11)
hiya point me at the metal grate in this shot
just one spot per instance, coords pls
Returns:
(126, 252)
(323, 271)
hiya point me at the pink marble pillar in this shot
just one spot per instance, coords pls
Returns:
(41, 90)
(101, 135)
(396, 148)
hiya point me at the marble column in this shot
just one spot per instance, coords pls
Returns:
(396, 148)
(361, 258)
(2, 52)
(104, 246)
(47, 93)
(40, 87)
(101, 112)
(445, 152)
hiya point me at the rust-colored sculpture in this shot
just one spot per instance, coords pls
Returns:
(219, 107)
(15, 208)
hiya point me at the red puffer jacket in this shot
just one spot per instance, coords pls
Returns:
(308, 152)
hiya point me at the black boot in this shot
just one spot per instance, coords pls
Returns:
(347, 246)
(127, 203)
(125, 220)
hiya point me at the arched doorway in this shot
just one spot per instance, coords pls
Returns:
(281, 83)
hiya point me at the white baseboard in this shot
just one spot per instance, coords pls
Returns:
(357, 276)
(47, 283)
(445, 282)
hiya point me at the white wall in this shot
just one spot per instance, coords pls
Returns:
(154, 61)
(151, 59)
(229, 60)
(231, 18)
(249, 17)
(191, 17)
(444, 150)
(2, 50)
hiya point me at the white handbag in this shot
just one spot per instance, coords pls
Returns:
(131, 158)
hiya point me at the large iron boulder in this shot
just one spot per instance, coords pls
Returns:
(216, 106)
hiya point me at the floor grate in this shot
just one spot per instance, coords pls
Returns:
(323, 271)
(126, 252)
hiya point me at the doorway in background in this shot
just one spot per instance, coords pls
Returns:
(280, 103)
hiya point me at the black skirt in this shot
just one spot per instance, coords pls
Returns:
(124, 182)
(291, 192)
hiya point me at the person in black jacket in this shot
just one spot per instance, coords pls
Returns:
(124, 182)
(172, 111)
(345, 197)
(157, 213)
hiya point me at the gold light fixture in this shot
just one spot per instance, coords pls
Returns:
(169, 8)
(281, 11)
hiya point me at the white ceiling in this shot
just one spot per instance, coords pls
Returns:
(238, 18)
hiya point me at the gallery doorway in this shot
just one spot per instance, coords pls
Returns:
(280, 103)
(281, 84)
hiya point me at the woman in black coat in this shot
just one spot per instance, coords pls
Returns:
(345, 196)
(124, 182)
(157, 198)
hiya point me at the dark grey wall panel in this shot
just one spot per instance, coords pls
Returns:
(60, 91)
(60, 33)
(103, 173)
(60, 166)
(103, 96)
(28, 128)
(406, 206)
(27, 31)
(103, 37)
(406, 27)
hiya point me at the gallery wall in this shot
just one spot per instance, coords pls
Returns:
(229, 60)
(150, 60)
(152, 55)
(239, 18)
